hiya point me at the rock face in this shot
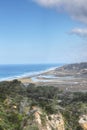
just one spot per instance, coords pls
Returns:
(57, 122)
(51, 122)
(83, 122)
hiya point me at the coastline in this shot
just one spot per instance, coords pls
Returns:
(35, 77)
(28, 77)
(71, 77)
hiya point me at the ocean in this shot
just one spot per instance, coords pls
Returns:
(8, 72)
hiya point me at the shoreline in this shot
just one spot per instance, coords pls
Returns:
(68, 78)
(71, 77)
(27, 77)
(35, 78)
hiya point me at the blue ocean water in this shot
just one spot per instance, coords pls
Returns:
(16, 71)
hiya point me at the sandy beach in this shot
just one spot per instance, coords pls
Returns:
(65, 79)
(25, 80)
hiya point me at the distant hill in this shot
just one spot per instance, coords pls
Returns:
(76, 69)
(76, 66)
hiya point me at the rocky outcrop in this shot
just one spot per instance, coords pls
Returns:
(45, 122)
(83, 122)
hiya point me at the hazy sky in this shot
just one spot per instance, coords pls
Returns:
(43, 31)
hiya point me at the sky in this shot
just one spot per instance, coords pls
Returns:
(43, 31)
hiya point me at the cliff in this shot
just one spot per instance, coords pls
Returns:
(45, 122)
(83, 122)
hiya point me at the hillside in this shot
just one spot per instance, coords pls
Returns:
(78, 68)
(40, 108)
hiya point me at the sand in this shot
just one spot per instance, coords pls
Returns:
(25, 80)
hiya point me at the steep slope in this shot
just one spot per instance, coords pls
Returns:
(83, 122)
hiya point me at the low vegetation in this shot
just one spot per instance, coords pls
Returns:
(16, 102)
